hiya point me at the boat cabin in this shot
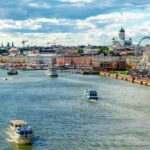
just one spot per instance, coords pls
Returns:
(90, 94)
(21, 127)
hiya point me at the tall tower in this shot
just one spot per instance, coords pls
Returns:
(12, 45)
(122, 34)
(8, 45)
(2, 45)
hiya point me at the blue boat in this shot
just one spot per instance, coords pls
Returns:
(90, 94)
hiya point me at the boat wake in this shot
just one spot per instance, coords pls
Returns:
(6, 78)
(9, 140)
(93, 100)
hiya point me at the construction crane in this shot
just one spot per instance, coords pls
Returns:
(23, 42)
(49, 43)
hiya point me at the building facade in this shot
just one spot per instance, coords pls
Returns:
(121, 42)
(48, 59)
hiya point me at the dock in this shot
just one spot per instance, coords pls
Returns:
(128, 78)
(69, 71)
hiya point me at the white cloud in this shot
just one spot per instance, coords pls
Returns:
(39, 5)
(74, 3)
(118, 17)
(11, 24)
(95, 30)
(142, 29)
(77, 1)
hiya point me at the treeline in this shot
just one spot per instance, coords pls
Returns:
(100, 49)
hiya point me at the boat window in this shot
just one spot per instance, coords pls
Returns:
(21, 132)
(30, 132)
(94, 93)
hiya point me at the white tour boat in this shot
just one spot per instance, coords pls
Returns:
(20, 132)
(51, 71)
(12, 71)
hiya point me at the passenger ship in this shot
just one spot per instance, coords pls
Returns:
(12, 71)
(51, 71)
(20, 132)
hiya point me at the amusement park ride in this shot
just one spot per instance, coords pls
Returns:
(143, 57)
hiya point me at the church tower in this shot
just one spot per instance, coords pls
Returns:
(12, 45)
(122, 34)
(2, 45)
(8, 45)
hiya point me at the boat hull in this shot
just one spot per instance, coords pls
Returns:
(51, 74)
(15, 137)
(22, 140)
(9, 73)
(91, 98)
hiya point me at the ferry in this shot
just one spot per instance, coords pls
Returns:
(12, 71)
(20, 132)
(51, 71)
(91, 95)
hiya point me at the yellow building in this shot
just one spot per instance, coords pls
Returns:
(4, 59)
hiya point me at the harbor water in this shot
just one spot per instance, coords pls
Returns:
(63, 120)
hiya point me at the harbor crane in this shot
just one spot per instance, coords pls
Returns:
(50, 43)
(23, 42)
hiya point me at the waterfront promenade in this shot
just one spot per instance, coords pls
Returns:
(141, 81)
(137, 79)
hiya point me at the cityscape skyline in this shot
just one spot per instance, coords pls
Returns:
(72, 22)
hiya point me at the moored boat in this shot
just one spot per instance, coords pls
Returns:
(12, 71)
(91, 95)
(51, 71)
(20, 132)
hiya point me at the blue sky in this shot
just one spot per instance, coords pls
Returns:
(72, 22)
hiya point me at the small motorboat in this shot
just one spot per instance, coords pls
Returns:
(51, 71)
(20, 132)
(12, 71)
(91, 95)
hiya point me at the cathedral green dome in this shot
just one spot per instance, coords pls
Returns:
(122, 30)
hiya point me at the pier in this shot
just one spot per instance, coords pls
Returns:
(69, 71)
(141, 81)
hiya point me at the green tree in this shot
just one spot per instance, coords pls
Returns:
(79, 50)
(104, 49)
(111, 52)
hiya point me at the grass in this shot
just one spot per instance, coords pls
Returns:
(125, 72)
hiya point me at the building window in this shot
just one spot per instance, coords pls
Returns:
(104, 65)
